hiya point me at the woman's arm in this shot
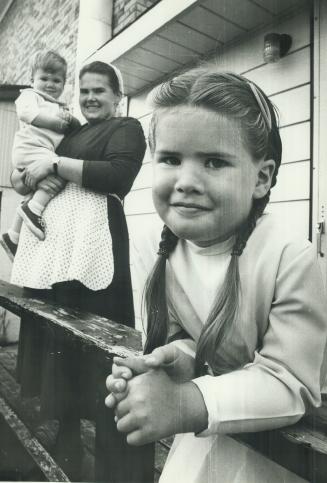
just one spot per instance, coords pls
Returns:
(124, 154)
(51, 184)
(115, 174)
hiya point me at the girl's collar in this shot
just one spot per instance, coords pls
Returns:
(216, 249)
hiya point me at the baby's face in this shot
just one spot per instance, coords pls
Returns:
(51, 83)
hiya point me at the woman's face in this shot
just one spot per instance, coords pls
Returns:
(97, 100)
(205, 179)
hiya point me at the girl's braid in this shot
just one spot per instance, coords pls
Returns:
(155, 294)
(167, 243)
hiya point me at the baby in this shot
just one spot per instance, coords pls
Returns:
(43, 121)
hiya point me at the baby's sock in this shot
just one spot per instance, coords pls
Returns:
(13, 235)
(35, 207)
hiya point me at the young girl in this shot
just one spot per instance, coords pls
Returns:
(43, 121)
(235, 307)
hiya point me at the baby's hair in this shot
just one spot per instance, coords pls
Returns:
(113, 75)
(49, 61)
(237, 98)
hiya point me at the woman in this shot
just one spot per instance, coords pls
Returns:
(84, 260)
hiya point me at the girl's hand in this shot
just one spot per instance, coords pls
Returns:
(155, 407)
(36, 171)
(52, 184)
(178, 365)
(116, 384)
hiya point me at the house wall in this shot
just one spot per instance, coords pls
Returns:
(287, 83)
(127, 11)
(30, 25)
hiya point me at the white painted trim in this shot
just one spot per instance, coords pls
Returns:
(6, 8)
(320, 122)
(143, 27)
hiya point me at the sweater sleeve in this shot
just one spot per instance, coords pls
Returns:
(286, 375)
(124, 153)
(27, 106)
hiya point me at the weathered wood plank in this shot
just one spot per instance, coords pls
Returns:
(115, 460)
(40, 456)
(91, 330)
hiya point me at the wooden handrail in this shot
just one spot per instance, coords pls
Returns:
(115, 460)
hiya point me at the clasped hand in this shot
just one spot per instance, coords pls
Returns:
(146, 393)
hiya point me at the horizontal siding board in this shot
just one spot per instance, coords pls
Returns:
(144, 178)
(138, 106)
(289, 72)
(139, 201)
(296, 142)
(293, 216)
(293, 105)
(248, 53)
(293, 182)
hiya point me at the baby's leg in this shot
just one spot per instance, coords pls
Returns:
(9, 240)
(15, 227)
(39, 201)
(31, 212)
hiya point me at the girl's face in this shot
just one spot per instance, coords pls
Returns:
(204, 176)
(52, 83)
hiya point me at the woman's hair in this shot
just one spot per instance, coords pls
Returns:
(113, 75)
(49, 61)
(235, 97)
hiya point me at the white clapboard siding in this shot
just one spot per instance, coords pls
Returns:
(287, 82)
(9, 124)
(285, 74)
(139, 201)
(293, 106)
(247, 54)
(144, 178)
(293, 182)
(293, 216)
(296, 142)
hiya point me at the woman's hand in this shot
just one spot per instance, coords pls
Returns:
(37, 171)
(52, 184)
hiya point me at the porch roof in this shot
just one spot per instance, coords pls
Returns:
(174, 34)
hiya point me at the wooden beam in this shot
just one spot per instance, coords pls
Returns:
(40, 456)
(95, 332)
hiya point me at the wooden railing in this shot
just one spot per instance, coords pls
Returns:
(301, 448)
(115, 460)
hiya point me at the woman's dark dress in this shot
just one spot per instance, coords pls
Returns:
(112, 151)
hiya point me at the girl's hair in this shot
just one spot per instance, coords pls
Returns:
(49, 61)
(240, 99)
(113, 75)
